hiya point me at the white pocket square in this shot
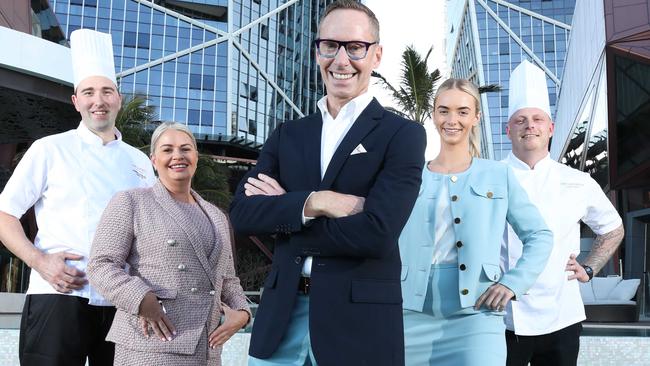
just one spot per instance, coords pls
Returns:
(358, 150)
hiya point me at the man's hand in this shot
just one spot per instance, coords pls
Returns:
(263, 185)
(333, 204)
(579, 272)
(152, 315)
(58, 274)
(235, 320)
(496, 297)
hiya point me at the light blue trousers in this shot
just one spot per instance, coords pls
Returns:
(295, 347)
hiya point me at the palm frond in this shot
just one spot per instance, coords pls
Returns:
(489, 88)
(417, 87)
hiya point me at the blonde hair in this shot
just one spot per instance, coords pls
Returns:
(163, 127)
(468, 87)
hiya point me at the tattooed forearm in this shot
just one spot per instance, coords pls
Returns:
(604, 246)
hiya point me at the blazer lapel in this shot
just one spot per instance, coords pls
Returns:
(366, 122)
(313, 125)
(221, 231)
(184, 223)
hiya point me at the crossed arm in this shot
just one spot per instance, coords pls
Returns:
(321, 203)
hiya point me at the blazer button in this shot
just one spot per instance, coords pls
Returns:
(459, 244)
(457, 220)
(489, 194)
(463, 267)
(171, 242)
(212, 292)
(194, 289)
(297, 260)
(465, 291)
(454, 198)
(182, 267)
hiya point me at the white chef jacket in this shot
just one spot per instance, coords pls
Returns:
(332, 133)
(69, 179)
(564, 196)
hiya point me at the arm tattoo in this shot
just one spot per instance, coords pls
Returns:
(603, 247)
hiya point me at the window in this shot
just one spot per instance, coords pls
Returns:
(206, 118)
(193, 116)
(195, 81)
(264, 31)
(130, 39)
(252, 127)
(248, 91)
(133, 39)
(504, 48)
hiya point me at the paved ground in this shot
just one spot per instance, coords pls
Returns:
(594, 350)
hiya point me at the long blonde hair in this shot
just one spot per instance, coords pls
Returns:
(468, 87)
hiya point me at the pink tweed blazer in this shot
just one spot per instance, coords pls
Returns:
(145, 242)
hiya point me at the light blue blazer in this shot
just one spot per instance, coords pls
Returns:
(486, 196)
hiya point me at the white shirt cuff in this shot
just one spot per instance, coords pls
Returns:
(306, 219)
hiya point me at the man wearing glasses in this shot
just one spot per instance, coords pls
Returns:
(336, 187)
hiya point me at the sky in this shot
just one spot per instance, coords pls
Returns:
(420, 23)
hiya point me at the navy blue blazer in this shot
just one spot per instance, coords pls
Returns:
(355, 314)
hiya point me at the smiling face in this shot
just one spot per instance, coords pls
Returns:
(98, 101)
(175, 157)
(454, 116)
(346, 79)
(530, 130)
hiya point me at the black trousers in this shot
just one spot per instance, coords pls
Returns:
(559, 348)
(61, 330)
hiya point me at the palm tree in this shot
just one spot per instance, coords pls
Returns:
(417, 87)
(134, 120)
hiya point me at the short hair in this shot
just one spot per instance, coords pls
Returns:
(352, 5)
(470, 88)
(165, 126)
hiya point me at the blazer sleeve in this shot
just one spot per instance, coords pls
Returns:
(110, 249)
(232, 294)
(373, 233)
(537, 239)
(267, 214)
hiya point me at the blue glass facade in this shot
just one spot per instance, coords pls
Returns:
(494, 36)
(231, 68)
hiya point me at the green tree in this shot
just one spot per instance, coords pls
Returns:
(135, 120)
(417, 87)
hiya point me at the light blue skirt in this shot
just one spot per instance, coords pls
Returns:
(446, 334)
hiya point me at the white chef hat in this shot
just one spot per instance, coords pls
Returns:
(92, 55)
(528, 89)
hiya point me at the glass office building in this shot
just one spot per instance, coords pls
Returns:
(489, 38)
(230, 69)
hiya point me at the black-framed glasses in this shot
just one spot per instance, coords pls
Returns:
(329, 48)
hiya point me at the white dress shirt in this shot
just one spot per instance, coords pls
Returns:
(333, 132)
(564, 197)
(445, 251)
(69, 179)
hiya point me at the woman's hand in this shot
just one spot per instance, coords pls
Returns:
(152, 315)
(496, 297)
(235, 320)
